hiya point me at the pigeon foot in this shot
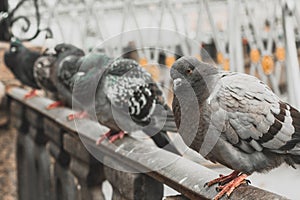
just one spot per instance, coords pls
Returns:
(223, 179)
(111, 136)
(30, 94)
(54, 105)
(78, 115)
(228, 188)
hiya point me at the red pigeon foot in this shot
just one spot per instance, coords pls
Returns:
(30, 94)
(223, 179)
(228, 188)
(54, 105)
(78, 115)
(111, 136)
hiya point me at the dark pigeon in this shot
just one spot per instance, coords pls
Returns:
(238, 121)
(20, 60)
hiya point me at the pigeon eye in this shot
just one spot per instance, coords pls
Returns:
(189, 71)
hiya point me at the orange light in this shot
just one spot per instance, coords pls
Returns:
(170, 61)
(280, 54)
(143, 61)
(255, 55)
(226, 64)
(267, 64)
(153, 70)
(220, 58)
(223, 61)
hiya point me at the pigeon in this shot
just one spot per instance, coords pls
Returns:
(20, 60)
(53, 68)
(126, 99)
(42, 70)
(66, 55)
(234, 119)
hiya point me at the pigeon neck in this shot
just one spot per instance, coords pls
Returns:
(201, 89)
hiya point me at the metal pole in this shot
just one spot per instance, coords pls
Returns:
(239, 46)
(4, 24)
(292, 64)
(235, 37)
(232, 34)
(219, 46)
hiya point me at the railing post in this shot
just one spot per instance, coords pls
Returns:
(292, 63)
(131, 186)
(86, 168)
(43, 188)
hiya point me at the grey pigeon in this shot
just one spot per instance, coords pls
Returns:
(63, 67)
(51, 70)
(235, 119)
(42, 69)
(125, 97)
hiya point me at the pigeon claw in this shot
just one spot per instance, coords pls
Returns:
(111, 136)
(103, 137)
(229, 187)
(30, 94)
(54, 105)
(223, 179)
(117, 136)
(78, 115)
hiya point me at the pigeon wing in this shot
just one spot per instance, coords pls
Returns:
(129, 88)
(254, 117)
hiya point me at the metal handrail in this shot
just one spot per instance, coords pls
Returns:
(183, 175)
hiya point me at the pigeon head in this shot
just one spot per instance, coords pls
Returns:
(68, 49)
(15, 46)
(16, 49)
(20, 60)
(17, 54)
(188, 72)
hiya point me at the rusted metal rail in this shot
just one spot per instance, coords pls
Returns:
(54, 163)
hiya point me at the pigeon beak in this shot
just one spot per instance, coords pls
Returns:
(13, 49)
(177, 83)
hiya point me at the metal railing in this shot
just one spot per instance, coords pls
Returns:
(53, 163)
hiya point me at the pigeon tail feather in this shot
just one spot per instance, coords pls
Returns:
(296, 159)
(162, 140)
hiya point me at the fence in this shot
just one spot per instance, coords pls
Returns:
(260, 41)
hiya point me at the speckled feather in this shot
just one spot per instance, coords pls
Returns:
(257, 131)
(129, 86)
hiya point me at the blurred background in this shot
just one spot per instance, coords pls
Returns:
(258, 37)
